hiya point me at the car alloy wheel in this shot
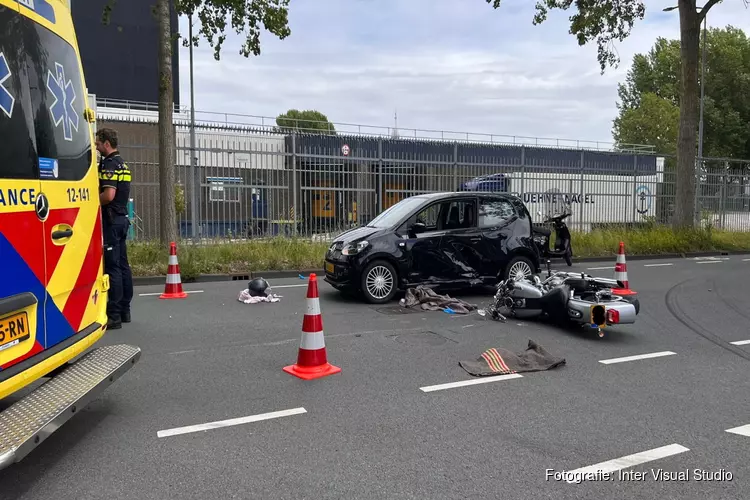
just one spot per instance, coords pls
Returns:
(520, 270)
(379, 282)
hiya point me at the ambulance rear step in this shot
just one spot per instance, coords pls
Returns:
(28, 422)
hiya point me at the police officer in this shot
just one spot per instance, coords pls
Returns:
(114, 192)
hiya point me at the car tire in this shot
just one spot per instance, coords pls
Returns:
(379, 282)
(518, 263)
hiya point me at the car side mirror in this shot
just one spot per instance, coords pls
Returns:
(418, 227)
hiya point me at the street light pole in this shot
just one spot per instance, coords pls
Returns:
(700, 122)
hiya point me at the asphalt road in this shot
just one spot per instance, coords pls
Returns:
(371, 432)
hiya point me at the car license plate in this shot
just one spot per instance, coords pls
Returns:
(329, 267)
(14, 330)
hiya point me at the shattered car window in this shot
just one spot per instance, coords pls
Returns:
(495, 213)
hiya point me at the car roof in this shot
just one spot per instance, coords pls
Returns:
(459, 194)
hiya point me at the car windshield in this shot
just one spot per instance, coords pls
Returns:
(392, 215)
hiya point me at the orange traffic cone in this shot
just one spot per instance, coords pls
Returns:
(173, 287)
(621, 273)
(312, 360)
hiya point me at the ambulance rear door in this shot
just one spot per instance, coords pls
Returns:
(22, 256)
(68, 180)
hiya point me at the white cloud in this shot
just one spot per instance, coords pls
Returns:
(453, 65)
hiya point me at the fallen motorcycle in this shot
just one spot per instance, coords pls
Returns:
(565, 298)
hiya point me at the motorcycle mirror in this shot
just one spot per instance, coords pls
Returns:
(539, 212)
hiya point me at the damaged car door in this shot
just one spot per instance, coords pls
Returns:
(462, 244)
(425, 261)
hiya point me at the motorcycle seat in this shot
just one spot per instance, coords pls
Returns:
(578, 285)
(544, 231)
(555, 298)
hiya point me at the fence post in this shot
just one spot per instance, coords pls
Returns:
(580, 203)
(295, 211)
(381, 194)
(696, 203)
(724, 182)
(523, 172)
(635, 186)
(455, 166)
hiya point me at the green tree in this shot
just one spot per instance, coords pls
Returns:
(651, 93)
(654, 120)
(245, 16)
(608, 21)
(309, 121)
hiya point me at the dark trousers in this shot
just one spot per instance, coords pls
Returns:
(117, 267)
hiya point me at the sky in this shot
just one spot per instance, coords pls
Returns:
(440, 65)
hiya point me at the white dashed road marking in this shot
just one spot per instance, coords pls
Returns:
(226, 423)
(658, 265)
(483, 380)
(742, 431)
(637, 357)
(159, 293)
(740, 342)
(626, 461)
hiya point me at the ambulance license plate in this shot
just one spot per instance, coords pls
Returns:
(14, 330)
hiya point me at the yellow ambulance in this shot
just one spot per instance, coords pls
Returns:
(53, 292)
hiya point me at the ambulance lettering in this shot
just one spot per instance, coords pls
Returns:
(10, 197)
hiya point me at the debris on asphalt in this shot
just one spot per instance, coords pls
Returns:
(499, 361)
(247, 298)
(493, 314)
(429, 300)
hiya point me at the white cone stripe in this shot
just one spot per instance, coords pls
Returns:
(312, 341)
(313, 307)
(173, 279)
(172, 260)
(620, 259)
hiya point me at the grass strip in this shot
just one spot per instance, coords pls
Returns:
(288, 254)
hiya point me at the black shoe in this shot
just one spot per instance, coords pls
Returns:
(126, 317)
(114, 325)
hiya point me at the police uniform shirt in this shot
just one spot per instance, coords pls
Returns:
(113, 172)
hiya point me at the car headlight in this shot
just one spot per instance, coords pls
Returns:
(355, 248)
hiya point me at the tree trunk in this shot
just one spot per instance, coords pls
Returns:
(167, 212)
(684, 215)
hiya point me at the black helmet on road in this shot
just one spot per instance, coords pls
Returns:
(257, 287)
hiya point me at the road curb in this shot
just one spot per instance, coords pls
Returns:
(271, 275)
(212, 278)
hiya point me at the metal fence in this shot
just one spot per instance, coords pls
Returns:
(247, 182)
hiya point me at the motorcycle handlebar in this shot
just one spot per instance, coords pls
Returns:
(558, 218)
